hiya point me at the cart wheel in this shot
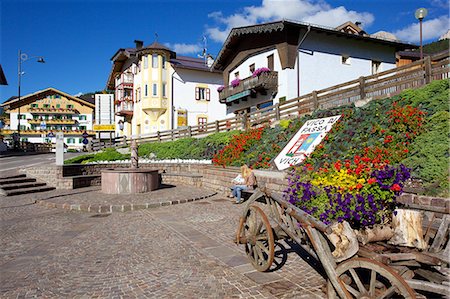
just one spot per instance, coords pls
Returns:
(258, 234)
(364, 278)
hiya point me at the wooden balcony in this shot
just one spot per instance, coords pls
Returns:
(53, 121)
(249, 86)
(34, 110)
(124, 108)
(30, 132)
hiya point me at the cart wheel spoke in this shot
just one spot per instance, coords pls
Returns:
(260, 245)
(389, 292)
(358, 282)
(373, 280)
(352, 290)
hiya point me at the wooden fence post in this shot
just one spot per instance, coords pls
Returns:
(315, 100)
(171, 135)
(362, 87)
(217, 126)
(427, 69)
(277, 111)
(159, 136)
(244, 121)
(189, 131)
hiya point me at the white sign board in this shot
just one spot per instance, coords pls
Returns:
(304, 141)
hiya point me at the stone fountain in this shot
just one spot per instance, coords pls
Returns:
(130, 180)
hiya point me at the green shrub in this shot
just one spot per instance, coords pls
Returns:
(429, 158)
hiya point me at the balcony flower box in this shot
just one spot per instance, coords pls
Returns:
(236, 82)
(260, 71)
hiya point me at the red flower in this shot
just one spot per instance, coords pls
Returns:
(359, 186)
(396, 187)
(337, 165)
(372, 180)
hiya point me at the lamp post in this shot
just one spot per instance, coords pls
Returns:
(22, 57)
(420, 14)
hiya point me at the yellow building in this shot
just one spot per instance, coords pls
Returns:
(156, 90)
(37, 117)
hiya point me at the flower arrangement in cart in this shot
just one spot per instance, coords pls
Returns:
(361, 190)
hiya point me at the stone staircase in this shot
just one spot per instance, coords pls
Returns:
(21, 184)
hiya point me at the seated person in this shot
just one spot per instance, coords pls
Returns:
(249, 183)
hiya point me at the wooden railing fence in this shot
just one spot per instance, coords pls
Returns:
(381, 85)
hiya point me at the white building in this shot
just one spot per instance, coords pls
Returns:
(104, 116)
(301, 58)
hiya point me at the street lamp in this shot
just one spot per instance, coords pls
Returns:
(420, 14)
(22, 57)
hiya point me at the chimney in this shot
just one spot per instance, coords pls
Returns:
(209, 60)
(139, 44)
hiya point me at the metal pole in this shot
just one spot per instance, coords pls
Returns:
(421, 50)
(18, 101)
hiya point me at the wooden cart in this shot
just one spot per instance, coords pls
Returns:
(369, 273)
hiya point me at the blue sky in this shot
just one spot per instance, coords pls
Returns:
(78, 38)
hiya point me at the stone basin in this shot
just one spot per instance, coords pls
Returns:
(129, 180)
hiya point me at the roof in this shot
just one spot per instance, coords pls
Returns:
(290, 28)
(191, 63)
(90, 98)
(2, 77)
(118, 59)
(156, 47)
(13, 102)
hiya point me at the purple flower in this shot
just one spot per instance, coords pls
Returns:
(235, 82)
(220, 88)
(259, 71)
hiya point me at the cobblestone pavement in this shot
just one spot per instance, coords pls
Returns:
(176, 251)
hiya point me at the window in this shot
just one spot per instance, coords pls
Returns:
(58, 105)
(155, 61)
(69, 106)
(34, 105)
(202, 93)
(22, 127)
(270, 62)
(35, 116)
(236, 75)
(83, 128)
(81, 117)
(70, 116)
(70, 140)
(163, 62)
(164, 90)
(46, 117)
(46, 105)
(145, 90)
(155, 89)
(345, 59)
(57, 96)
(202, 123)
(23, 116)
(145, 62)
(80, 140)
(252, 68)
(375, 67)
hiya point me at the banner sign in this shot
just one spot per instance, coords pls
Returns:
(304, 141)
(104, 127)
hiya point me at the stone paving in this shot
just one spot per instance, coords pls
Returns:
(175, 251)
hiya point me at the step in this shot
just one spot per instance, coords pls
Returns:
(22, 185)
(26, 190)
(13, 176)
(19, 180)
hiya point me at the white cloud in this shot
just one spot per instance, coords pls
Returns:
(431, 30)
(311, 11)
(185, 48)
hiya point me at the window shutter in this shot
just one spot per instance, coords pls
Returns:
(207, 94)
(197, 93)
